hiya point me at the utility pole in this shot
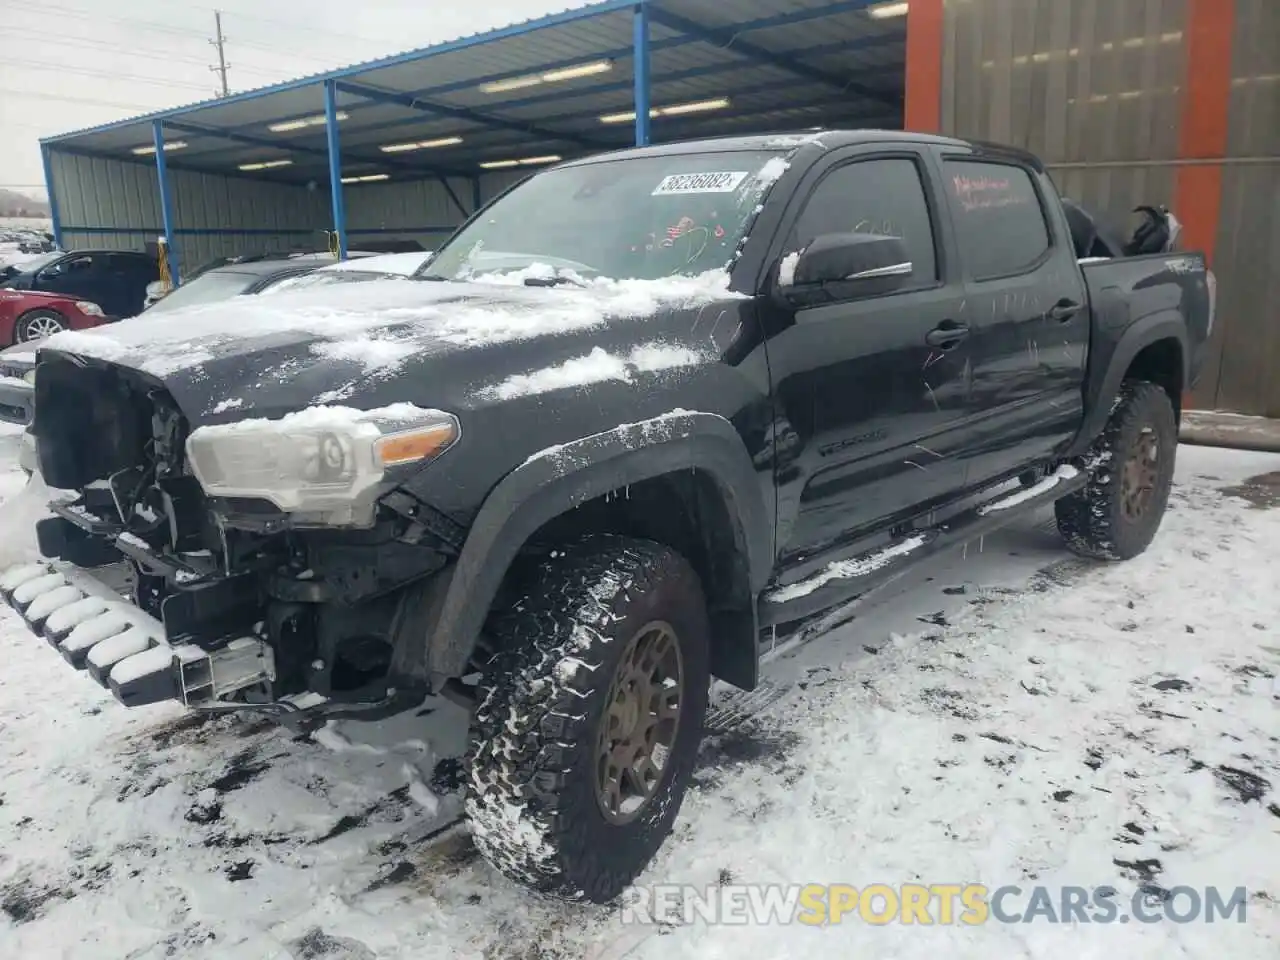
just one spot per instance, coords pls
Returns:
(220, 43)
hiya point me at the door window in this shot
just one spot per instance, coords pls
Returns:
(1000, 223)
(883, 196)
(80, 266)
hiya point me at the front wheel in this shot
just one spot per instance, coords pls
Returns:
(590, 717)
(1117, 515)
(38, 324)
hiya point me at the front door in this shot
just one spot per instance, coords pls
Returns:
(127, 284)
(80, 275)
(871, 389)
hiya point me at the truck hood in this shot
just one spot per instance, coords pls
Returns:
(372, 343)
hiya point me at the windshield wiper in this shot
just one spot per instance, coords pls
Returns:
(432, 276)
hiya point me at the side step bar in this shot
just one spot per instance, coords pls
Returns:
(123, 648)
(842, 579)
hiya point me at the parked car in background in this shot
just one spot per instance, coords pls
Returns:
(357, 269)
(27, 315)
(307, 258)
(239, 279)
(116, 280)
(248, 277)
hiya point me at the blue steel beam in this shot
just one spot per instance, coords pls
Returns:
(657, 80)
(335, 165)
(729, 39)
(640, 71)
(166, 202)
(767, 87)
(290, 146)
(457, 113)
(47, 160)
(667, 43)
(588, 12)
(612, 142)
(793, 17)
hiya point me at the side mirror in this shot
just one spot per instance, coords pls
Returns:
(844, 265)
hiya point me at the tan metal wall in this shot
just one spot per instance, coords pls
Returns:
(1090, 86)
(1243, 371)
(1095, 88)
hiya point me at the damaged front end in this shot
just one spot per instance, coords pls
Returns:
(276, 565)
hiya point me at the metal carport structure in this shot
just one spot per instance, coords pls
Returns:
(423, 138)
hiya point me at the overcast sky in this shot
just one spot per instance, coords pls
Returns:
(69, 64)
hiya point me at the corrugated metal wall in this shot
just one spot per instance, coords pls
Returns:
(1243, 372)
(1091, 86)
(419, 210)
(113, 203)
(1094, 88)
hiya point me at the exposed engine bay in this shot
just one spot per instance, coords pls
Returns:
(267, 604)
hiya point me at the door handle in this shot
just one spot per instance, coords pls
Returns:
(1064, 310)
(947, 335)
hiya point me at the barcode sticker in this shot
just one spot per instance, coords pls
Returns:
(726, 182)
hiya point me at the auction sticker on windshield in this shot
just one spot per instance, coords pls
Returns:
(700, 183)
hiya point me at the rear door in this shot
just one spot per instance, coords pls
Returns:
(126, 284)
(870, 391)
(1029, 312)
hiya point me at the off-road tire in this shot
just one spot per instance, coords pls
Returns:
(1093, 520)
(532, 768)
(25, 326)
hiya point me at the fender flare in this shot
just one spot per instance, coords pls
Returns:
(556, 480)
(1165, 325)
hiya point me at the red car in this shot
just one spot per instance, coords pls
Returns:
(26, 315)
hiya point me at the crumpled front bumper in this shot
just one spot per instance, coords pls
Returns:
(122, 647)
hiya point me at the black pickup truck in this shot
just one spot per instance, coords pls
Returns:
(638, 412)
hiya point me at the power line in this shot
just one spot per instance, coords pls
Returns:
(150, 53)
(89, 72)
(40, 95)
(81, 14)
(345, 37)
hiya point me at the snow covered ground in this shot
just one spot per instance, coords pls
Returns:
(1008, 715)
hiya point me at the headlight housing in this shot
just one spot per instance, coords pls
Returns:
(30, 376)
(323, 465)
(89, 309)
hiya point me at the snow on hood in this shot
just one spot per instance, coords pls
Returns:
(380, 325)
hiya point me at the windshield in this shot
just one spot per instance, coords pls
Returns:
(24, 263)
(322, 278)
(641, 218)
(206, 288)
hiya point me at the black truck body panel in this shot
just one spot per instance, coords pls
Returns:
(793, 433)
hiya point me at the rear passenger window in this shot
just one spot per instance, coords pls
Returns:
(885, 197)
(1000, 224)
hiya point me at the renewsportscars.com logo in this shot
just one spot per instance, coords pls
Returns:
(943, 904)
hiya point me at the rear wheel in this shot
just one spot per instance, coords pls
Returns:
(38, 324)
(590, 717)
(1117, 515)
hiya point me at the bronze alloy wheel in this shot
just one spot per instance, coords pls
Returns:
(1140, 475)
(639, 724)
